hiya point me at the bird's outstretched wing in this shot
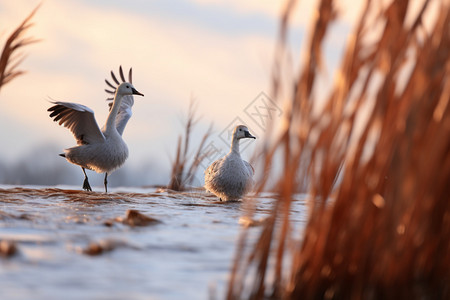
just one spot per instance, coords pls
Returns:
(125, 112)
(79, 119)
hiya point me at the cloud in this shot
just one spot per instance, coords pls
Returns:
(303, 13)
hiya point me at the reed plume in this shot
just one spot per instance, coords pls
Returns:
(10, 59)
(376, 157)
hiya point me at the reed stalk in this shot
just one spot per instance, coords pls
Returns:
(184, 168)
(377, 161)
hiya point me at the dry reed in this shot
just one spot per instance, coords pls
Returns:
(183, 173)
(382, 229)
(10, 58)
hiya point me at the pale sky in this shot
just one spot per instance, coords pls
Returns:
(218, 51)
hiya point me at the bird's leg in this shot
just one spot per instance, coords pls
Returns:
(106, 182)
(86, 185)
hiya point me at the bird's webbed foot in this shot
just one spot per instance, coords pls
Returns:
(86, 185)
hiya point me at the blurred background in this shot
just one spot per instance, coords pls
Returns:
(215, 51)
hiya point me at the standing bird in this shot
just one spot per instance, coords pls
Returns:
(103, 150)
(230, 177)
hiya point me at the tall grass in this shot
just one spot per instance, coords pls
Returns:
(183, 168)
(10, 58)
(377, 161)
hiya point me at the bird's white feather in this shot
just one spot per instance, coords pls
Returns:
(230, 177)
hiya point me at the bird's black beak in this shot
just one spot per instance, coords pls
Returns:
(135, 92)
(248, 135)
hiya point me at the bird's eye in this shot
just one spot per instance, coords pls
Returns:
(128, 86)
(240, 129)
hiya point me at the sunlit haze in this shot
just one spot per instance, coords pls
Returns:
(218, 52)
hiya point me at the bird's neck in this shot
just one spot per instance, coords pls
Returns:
(235, 146)
(110, 125)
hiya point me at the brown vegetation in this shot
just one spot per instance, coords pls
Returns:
(8, 248)
(10, 59)
(182, 173)
(382, 229)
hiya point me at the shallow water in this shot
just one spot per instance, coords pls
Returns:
(187, 255)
